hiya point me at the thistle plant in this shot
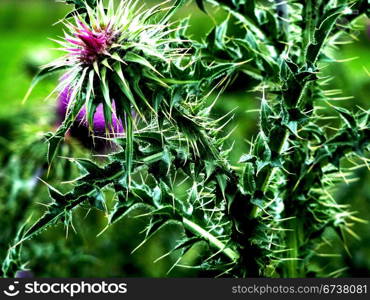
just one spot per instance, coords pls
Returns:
(265, 215)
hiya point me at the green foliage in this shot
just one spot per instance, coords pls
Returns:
(263, 217)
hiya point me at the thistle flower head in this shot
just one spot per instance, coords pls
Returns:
(81, 121)
(118, 53)
(90, 43)
(80, 128)
(103, 32)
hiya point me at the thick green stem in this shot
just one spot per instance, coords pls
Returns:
(291, 267)
(215, 242)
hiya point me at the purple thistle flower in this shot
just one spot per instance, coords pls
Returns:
(80, 128)
(90, 43)
(103, 47)
(99, 125)
(24, 274)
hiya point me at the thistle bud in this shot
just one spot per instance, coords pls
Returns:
(80, 127)
(24, 274)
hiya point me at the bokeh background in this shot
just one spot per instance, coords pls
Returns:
(25, 29)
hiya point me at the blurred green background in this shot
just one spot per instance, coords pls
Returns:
(25, 29)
